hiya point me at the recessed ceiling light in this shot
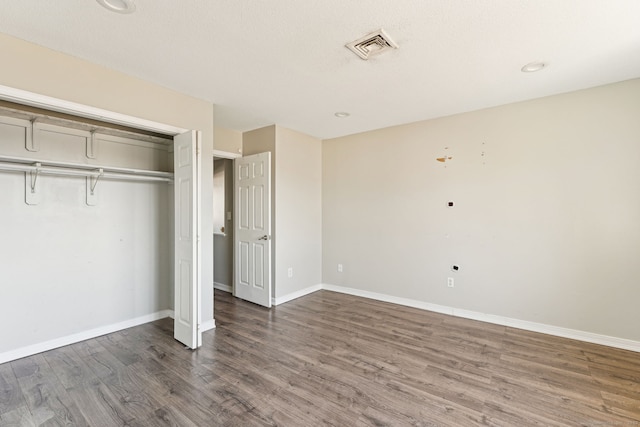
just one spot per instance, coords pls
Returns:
(119, 6)
(532, 67)
(342, 114)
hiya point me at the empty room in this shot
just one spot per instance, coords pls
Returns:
(250, 213)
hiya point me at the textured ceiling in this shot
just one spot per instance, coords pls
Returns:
(284, 61)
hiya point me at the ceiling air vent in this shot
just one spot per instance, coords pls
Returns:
(372, 44)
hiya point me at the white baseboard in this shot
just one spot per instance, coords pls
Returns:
(590, 337)
(208, 325)
(223, 287)
(80, 336)
(390, 298)
(297, 294)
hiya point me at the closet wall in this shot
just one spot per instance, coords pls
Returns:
(67, 267)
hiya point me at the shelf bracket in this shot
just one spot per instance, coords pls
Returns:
(32, 142)
(92, 145)
(31, 193)
(92, 183)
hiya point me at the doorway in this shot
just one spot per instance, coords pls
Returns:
(223, 226)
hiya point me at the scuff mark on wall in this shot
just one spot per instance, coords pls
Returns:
(482, 155)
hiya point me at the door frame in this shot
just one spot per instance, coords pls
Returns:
(33, 99)
(229, 155)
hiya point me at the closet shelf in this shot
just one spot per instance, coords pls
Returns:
(47, 167)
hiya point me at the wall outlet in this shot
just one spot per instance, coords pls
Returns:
(450, 282)
(339, 268)
(290, 272)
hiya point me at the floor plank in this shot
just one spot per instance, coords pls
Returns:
(46, 397)
(325, 359)
(11, 396)
(18, 417)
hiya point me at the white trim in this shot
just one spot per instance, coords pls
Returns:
(80, 336)
(389, 298)
(198, 214)
(226, 154)
(294, 295)
(558, 331)
(223, 287)
(50, 103)
(208, 325)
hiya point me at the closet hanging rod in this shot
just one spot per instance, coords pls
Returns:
(66, 171)
(85, 168)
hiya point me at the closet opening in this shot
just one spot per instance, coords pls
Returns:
(89, 215)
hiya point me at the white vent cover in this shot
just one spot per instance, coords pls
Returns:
(372, 44)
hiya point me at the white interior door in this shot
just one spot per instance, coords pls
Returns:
(187, 239)
(252, 243)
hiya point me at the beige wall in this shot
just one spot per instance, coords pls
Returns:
(546, 222)
(296, 205)
(298, 211)
(227, 140)
(36, 69)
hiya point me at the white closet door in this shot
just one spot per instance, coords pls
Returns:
(187, 239)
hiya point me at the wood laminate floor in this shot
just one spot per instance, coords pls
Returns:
(325, 359)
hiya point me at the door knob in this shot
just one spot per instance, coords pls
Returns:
(265, 237)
